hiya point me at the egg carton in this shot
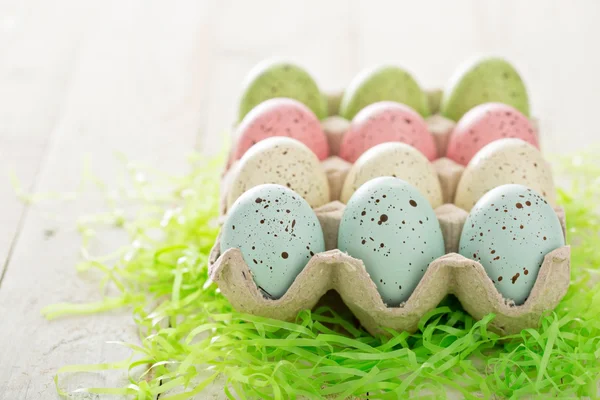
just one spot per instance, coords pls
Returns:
(335, 270)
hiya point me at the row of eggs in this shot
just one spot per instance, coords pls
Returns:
(392, 228)
(477, 81)
(380, 122)
(288, 162)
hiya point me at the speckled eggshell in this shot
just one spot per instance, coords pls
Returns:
(484, 124)
(283, 161)
(383, 83)
(502, 162)
(392, 228)
(398, 160)
(281, 117)
(277, 233)
(509, 231)
(276, 78)
(386, 121)
(482, 80)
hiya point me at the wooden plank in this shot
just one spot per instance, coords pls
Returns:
(35, 68)
(137, 87)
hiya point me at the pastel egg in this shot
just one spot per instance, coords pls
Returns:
(383, 83)
(277, 233)
(386, 121)
(501, 162)
(281, 117)
(484, 124)
(392, 228)
(509, 232)
(398, 160)
(484, 80)
(275, 78)
(283, 161)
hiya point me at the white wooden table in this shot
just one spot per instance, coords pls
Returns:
(154, 79)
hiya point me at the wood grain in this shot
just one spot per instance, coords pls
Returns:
(154, 79)
(135, 86)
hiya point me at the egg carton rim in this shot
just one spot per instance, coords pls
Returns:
(449, 274)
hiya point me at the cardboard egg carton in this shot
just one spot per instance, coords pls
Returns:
(335, 270)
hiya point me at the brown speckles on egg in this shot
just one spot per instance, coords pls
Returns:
(515, 277)
(382, 218)
(519, 205)
(284, 255)
(413, 203)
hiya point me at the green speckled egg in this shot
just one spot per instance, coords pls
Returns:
(484, 80)
(275, 78)
(277, 233)
(509, 231)
(392, 228)
(384, 83)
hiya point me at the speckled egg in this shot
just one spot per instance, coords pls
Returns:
(398, 160)
(383, 83)
(283, 161)
(484, 80)
(392, 228)
(509, 231)
(277, 233)
(386, 121)
(501, 162)
(276, 78)
(484, 124)
(281, 117)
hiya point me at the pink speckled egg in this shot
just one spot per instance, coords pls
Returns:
(482, 125)
(386, 121)
(281, 117)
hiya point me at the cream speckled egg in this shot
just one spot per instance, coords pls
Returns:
(502, 162)
(284, 161)
(399, 160)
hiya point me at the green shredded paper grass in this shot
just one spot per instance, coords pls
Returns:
(190, 337)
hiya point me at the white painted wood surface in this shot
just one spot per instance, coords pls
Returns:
(154, 79)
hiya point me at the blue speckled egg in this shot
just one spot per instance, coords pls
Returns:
(509, 231)
(392, 228)
(276, 231)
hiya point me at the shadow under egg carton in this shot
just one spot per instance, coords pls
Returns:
(335, 270)
(449, 274)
